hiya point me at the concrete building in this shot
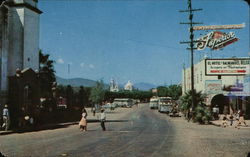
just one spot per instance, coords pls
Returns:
(224, 81)
(19, 38)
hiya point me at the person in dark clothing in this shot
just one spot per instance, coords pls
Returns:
(103, 119)
(231, 118)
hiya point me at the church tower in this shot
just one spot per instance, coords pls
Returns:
(19, 37)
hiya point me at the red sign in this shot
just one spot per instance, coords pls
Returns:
(233, 66)
(216, 40)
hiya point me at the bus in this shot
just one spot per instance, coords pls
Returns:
(153, 103)
(123, 102)
(165, 104)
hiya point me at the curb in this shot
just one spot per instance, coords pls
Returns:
(38, 128)
(6, 132)
(240, 127)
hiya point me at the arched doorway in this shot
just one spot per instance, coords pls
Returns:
(223, 103)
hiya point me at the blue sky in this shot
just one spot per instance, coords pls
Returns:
(132, 40)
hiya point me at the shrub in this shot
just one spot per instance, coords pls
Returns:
(202, 114)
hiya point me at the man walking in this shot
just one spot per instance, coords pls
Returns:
(102, 119)
(5, 118)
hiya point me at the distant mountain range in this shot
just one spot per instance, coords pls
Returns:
(144, 86)
(76, 82)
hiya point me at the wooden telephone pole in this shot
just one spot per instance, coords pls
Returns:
(190, 10)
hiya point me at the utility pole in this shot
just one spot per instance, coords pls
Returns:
(191, 43)
(68, 68)
(184, 77)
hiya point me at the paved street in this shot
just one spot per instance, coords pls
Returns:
(131, 132)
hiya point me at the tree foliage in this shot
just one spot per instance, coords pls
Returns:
(142, 95)
(46, 74)
(201, 112)
(97, 93)
(70, 96)
(173, 91)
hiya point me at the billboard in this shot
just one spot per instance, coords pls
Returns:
(213, 86)
(237, 66)
(216, 40)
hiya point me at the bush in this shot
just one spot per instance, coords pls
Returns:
(202, 114)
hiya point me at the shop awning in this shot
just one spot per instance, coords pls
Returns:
(236, 93)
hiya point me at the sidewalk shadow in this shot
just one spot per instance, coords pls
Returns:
(96, 120)
(55, 126)
(118, 120)
(44, 127)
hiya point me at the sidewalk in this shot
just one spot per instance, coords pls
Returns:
(112, 115)
(242, 126)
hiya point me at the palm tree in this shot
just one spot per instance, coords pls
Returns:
(200, 112)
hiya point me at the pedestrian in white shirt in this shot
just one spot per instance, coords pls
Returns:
(6, 117)
(103, 119)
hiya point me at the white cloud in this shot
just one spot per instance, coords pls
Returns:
(82, 64)
(60, 61)
(91, 66)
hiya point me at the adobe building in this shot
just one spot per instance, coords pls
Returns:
(225, 81)
(19, 39)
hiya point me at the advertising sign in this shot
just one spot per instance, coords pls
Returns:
(213, 86)
(216, 40)
(239, 66)
(246, 85)
(217, 27)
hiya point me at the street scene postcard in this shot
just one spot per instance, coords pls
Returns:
(124, 78)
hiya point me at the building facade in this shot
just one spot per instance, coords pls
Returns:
(224, 81)
(19, 39)
(113, 87)
(129, 86)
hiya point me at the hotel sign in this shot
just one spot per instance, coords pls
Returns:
(216, 40)
(239, 66)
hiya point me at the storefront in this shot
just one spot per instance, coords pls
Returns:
(226, 82)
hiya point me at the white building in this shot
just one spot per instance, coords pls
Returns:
(113, 86)
(215, 77)
(19, 37)
(128, 86)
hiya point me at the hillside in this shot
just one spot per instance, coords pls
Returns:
(76, 82)
(144, 86)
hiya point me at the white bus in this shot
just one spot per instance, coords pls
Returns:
(165, 104)
(123, 102)
(153, 103)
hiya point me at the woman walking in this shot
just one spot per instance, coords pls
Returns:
(241, 119)
(83, 121)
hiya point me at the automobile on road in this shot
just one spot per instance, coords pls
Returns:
(123, 102)
(165, 104)
(153, 103)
